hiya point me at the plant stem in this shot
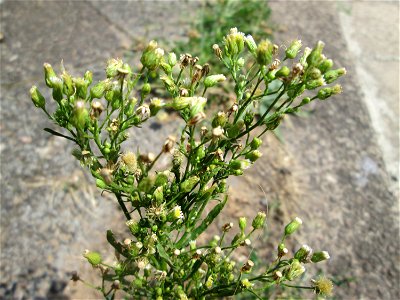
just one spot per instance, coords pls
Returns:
(123, 207)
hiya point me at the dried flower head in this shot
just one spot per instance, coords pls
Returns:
(323, 286)
(130, 161)
(169, 144)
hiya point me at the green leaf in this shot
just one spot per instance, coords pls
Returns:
(203, 226)
(53, 132)
(117, 246)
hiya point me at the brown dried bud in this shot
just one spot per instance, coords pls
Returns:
(217, 51)
(247, 266)
(278, 275)
(205, 70)
(203, 130)
(147, 158)
(227, 227)
(169, 145)
(275, 64)
(195, 60)
(219, 154)
(185, 59)
(183, 92)
(127, 242)
(196, 119)
(233, 109)
(198, 74)
(275, 49)
(74, 276)
(97, 109)
(197, 254)
(217, 132)
(106, 174)
(116, 285)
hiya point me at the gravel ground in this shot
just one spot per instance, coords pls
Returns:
(331, 169)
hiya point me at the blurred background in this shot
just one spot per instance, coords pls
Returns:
(336, 166)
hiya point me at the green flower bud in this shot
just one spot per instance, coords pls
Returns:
(180, 103)
(320, 256)
(246, 283)
(161, 178)
(197, 105)
(169, 84)
(253, 155)
(293, 49)
(235, 164)
(325, 65)
(240, 62)
(283, 72)
(315, 57)
(189, 184)
(68, 86)
(155, 105)
(238, 238)
(49, 74)
(159, 195)
(37, 98)
(146, 184)
(332, 75)
(255, 143)
(212, 80)
(303, 254)
(219, 120)
(251, 44)
(81, 87)
(124, 70)
(234, 42)
(238, 172)
(130, 107)
(88, 77)
(264, 52)
(146, 89)
(313, 84)
(259, 220)
(166, 68)
(248, 118)
(101, 184)
(303, 58)
(93, 258)
(133, 226)
(98, 90)
(57, 89)
(293, 226)
(294, 271)
(242, 224)
(80, 115)
(305, 101)
(152, 56)
(271, 74)
(172, 59)
(112, 67)
(329, 91)
(282, 250)
(313, 73)
(175, 214)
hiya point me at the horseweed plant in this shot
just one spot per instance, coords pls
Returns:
(164, 209)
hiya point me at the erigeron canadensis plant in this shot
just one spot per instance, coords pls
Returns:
(164, 208)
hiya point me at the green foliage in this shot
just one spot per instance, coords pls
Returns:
(164, 208)
(216, 17)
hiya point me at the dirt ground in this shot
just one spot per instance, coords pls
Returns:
(337, 168)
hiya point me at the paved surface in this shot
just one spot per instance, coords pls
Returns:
(338, 168)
